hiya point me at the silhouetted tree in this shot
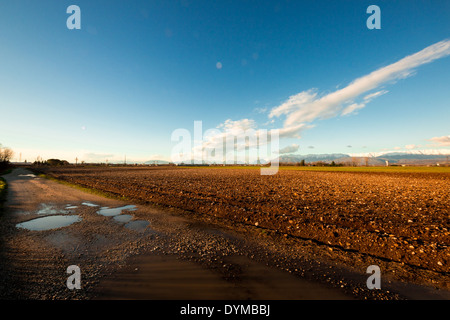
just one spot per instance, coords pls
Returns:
(6, 155)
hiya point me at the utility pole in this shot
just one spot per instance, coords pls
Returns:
(76, 161)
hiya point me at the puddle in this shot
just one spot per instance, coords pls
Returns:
(47, 209)
(69, 207)
(124, 218)
(137, 225)
(89, 204)
(30, 175)
(110, 212)
(48, 223)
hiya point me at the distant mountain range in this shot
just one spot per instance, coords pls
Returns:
(407, 158)
(313, 157)
(156, 162)
(392, 158)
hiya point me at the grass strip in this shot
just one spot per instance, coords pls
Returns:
(3, 190)
(97, 192)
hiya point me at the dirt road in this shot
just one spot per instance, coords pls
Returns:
(127, 251)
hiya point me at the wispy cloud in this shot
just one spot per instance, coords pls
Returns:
(238, 125)
(260, 110)
(308, 106)
(289, 149)
(371, 96)
(352, 108)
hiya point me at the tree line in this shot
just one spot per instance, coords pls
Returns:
(52, 162)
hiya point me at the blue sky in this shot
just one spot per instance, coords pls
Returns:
(138, 70)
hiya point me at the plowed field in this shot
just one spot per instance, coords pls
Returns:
(400, 217)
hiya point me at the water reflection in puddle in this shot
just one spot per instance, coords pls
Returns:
(48, 223)
(110, 212)
(89, 204)
(30, 175)
(124, 218)
(47, 209)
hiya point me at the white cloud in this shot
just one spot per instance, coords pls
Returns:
(237, 125)
(260, 110)
(299, 99)
(226, 133)
(442, 141)
(371, 96)
(352, 108)
(289, 149)
(294, 130)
